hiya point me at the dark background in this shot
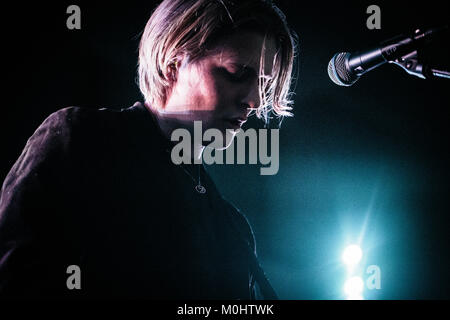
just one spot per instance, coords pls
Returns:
(368, 162)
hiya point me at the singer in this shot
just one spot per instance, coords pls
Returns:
(97, 188)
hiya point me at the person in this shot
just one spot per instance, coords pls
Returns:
(95, 207)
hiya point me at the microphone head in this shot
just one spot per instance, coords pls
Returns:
(339, 72)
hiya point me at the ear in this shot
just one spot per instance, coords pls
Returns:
(171, 71)
(174, 67)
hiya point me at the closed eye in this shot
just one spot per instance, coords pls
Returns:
(242, 74)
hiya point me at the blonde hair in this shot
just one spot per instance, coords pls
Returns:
(187, 27)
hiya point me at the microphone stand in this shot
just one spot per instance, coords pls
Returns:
(440, 73)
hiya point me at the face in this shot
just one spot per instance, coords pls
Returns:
(221, 88)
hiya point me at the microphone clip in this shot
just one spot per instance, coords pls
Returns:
(410, 62)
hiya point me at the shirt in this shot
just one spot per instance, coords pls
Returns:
(96, 189)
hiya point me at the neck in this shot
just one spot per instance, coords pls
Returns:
(168, 122)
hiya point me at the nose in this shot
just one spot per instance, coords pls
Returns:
(251, 98)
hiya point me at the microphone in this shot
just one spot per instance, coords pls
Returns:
(346, 68)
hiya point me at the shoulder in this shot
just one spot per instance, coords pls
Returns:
(72, 125)
(71, 130)
(242, 223)
(75, 117)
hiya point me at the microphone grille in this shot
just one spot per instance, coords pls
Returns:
(338, 72)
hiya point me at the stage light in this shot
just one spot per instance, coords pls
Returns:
(353, 288)
(352, 255)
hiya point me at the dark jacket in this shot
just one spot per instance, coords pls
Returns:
(97, 189)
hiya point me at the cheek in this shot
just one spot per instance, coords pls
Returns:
(222, 95)
(202, 94)
(216, 92)
(209, 91)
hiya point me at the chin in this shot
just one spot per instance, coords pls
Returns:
(228, 140)
(228, 136)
